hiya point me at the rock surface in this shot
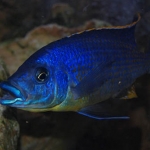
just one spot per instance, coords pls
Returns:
(9, 127)
(18, 50)
(17, 17)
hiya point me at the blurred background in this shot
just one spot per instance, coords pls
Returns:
(26, 26)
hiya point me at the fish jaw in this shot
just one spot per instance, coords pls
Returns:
(13, 94)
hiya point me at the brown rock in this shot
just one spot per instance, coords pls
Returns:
(9, 128)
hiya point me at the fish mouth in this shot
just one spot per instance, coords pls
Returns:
(12, 94)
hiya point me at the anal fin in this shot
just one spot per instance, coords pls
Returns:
(128, 93)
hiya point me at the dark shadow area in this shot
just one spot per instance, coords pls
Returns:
(85, 133)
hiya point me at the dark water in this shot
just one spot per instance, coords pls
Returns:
(18, 17)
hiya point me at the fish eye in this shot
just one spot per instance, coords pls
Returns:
(42, 74)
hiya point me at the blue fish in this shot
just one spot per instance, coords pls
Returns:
(78, 72)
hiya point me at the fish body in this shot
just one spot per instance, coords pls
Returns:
(77, 71)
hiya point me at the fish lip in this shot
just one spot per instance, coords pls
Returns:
(13, 92)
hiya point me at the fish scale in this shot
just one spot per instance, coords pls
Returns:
(79, 71)
(89, 59)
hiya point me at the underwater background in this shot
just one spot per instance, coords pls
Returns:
(25, 27)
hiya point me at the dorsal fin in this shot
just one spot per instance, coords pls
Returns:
(125, 32)
(136, 19)
(98, 33)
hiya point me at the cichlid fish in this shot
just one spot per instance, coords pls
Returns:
(78, 72)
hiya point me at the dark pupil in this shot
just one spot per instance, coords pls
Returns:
(41, 74)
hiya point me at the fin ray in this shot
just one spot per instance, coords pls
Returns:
(110, 109)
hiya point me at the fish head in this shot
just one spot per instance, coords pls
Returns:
(32, 86)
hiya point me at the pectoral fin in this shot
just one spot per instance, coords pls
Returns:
(93, 80)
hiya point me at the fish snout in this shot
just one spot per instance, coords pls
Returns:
(12, 95)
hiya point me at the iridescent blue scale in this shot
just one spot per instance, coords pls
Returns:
(77, 71)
